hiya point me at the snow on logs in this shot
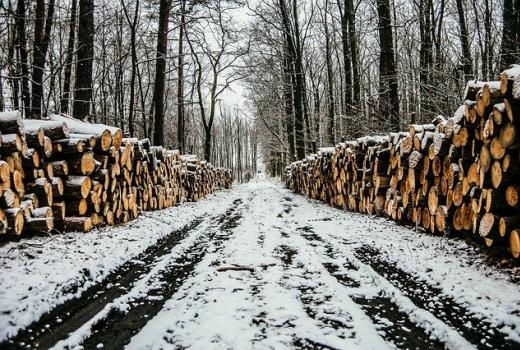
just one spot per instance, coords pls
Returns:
(69, 174)
(459, 174)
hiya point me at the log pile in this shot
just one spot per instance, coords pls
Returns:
(457, 175)
(66, 174)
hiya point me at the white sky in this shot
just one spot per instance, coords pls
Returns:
(234, 97)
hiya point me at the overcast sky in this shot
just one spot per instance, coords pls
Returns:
(234, 98)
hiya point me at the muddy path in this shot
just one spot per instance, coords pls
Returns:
(117, 329)
(392, 324)
(66, 318)
(476, 330)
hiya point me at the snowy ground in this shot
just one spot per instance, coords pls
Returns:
(255, 267)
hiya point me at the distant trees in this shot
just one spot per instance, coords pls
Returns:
(368, 66)
(317, 72)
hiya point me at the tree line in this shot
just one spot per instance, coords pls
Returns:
(316, 72)
(330, 70)
(156, 69)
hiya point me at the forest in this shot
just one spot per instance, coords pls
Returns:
(238, 80)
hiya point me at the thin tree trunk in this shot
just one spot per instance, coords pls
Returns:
(288, 103)
(42, 33)
(180, 81)
(354, 54)
(64, 103)
(133, 29)
(347, 55)
(510, 37)
(11, 52)
(331, 106)
(21, 39)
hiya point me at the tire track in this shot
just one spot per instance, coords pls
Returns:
(69, 316)
(314, 303)
(119, 326)
(393, 325)
(478, 331)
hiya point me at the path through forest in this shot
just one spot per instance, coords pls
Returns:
(256, 267)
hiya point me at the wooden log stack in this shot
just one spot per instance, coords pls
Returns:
(69, 174)
(457, 175)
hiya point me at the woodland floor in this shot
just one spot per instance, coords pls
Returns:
(256, 267)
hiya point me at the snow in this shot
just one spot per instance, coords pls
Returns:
(289, 295)
(40, 273)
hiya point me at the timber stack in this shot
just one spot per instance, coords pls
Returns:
(458, 175)
(66, 174)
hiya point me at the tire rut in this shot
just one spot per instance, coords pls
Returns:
(119, 326)
(314, 303)
(478, 331)
(392, 324)
(67, 317)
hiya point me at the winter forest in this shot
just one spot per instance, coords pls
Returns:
(237, 80)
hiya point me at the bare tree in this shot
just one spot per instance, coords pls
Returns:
(42, 33)
(85, 56)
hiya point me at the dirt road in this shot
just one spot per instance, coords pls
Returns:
(269, 269)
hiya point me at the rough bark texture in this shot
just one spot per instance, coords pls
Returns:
(180, 81)
(42, 33)
(21, 40)
(510, 34)
(467, 65)
(83, 88)
(65, 97)
(389, 99)
(160, 67)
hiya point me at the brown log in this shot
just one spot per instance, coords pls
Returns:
(15, 221)
(78, 223)
(11, 143)
(514, 243)
(509, 81)
(11, 123)
(77, 186)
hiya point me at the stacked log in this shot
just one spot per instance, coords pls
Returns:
(69, 174)
(457, 175)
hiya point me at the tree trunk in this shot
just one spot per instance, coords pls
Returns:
(347, 55)
(294, 45)
(64, 102)
(21, 39)
(331, 107)
(298, 100)
(389, 97)
(133, 28)
(510, 50)
(13, 69)
(288, 102)
(351, 14)
(207, 143)
(42, 33)
(83, 87)
(160, 68)
(180, 81)
(467, 64)
(426, 56)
